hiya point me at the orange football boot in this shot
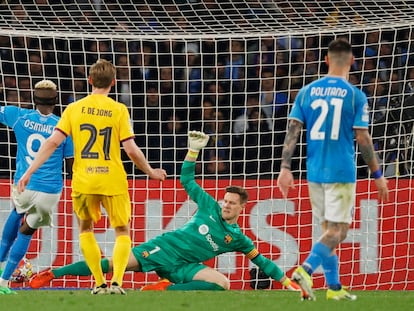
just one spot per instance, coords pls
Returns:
(160, 285)
(41, 279)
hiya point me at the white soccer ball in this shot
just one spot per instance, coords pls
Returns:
(23, 272)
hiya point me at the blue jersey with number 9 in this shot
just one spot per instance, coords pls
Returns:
(331, 108)
(31, 129)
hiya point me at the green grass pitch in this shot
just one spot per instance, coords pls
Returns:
(82, 300)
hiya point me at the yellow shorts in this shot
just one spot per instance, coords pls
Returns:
(88, 207)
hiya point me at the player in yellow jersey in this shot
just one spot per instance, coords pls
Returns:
(98, 126)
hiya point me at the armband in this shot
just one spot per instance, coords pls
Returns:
(377, 174)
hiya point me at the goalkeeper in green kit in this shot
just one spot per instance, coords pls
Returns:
(177, 256)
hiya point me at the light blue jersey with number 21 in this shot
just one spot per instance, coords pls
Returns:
(330, 108)
(31, 129)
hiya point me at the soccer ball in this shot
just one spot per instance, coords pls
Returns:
(23, 272)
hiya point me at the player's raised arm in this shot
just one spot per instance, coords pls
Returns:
(366, 147)
(196, 141)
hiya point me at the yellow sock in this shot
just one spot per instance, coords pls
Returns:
(92, 253)
(120, 257)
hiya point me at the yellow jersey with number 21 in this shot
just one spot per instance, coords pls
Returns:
(98, 125)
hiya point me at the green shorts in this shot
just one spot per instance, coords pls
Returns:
(152, 258)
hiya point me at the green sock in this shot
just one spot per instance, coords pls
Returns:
(195, 285)
(79, 268)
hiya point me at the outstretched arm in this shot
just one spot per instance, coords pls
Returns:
(196, 141)
(285, 179)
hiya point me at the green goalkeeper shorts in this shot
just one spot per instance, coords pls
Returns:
(152, 258)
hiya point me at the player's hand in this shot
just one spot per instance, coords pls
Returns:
(285, 181)
(158, 174)
(382, 188)
(21, 185)
(197, 140)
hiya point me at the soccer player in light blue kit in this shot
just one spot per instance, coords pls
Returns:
(35, 205)
(333, 111)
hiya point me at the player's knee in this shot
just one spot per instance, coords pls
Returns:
(336, 233)
(331, 239)
(122, 230)
(342, 235)
(342, 232)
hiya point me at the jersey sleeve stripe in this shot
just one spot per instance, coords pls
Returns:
(128, 138)
(58, 129)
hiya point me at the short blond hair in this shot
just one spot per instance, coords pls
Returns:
(102, 73)
(45, 93)
(46, 84)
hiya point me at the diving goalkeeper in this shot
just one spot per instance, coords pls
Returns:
(177, 256)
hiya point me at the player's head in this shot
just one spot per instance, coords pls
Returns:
(340, 53)
(102, 74)
(234, 201)
(45, 93)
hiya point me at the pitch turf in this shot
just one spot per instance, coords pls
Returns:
(82, 300)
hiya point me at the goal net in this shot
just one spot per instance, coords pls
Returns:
(231, 69)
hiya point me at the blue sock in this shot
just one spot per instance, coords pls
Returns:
(331, 269)
(17, 253)
(317, 255)
(11, 227)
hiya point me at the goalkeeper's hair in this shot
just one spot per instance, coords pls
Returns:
(102, 73)
(244, 196)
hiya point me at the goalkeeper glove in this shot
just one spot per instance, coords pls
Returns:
(197, 141)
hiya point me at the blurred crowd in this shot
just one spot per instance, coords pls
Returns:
(239, 90)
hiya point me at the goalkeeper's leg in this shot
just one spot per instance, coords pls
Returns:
(204, 279)
(79, 268)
